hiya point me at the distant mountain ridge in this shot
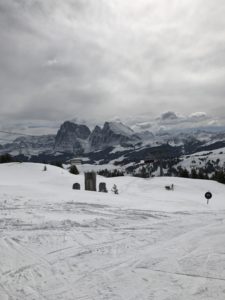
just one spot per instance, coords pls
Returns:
(113, 141)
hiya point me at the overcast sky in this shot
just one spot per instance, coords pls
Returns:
(102, 59)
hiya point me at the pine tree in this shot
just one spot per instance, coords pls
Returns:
(115, 189)
(5, 158)
(219, 176)
(194, 174)
(183, 173)
(74, 170)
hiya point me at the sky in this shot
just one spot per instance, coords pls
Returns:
(112, 59)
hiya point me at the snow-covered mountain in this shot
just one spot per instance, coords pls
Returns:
(112, 134)
(29, 145)
(113, 142)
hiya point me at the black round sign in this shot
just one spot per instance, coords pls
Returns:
(208, 195)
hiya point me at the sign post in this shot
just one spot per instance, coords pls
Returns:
(208, 196)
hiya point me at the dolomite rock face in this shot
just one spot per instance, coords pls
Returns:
(95, 138)
(70, 138)
(112, 134)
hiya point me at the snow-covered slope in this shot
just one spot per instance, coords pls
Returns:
(145, 243)
(151, 193)
(119, 128)
(204, 159)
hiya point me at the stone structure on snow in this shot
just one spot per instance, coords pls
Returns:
(102, 187)
(90, 181)
(76, 186)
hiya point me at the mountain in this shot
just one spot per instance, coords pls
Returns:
(76, 139)
(30, 145)
(95, 137)
(71, 138)
(112, 143)
(145, 135)
(112, 134)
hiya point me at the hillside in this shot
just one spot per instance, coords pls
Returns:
(145, 243)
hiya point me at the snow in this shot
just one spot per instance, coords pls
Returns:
(145, 243)
(117, 149)
(95, 168)
(119, 128)
(200, 159)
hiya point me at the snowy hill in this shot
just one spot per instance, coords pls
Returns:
(214, 158)
(145, 243)
(188, 193)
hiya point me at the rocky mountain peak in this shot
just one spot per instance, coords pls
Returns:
(118, 128)
(81, 131)
(112, 134)
(70, 136)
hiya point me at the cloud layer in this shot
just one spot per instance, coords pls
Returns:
(97, 59)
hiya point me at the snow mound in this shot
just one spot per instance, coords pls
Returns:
(134, 192)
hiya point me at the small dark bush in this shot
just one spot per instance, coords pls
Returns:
(74, 170)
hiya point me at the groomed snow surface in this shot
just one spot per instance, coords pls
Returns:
(145, 243)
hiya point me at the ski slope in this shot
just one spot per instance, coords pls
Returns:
(145, 243)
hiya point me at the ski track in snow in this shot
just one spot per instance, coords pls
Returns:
(62, 249)
(114, 256)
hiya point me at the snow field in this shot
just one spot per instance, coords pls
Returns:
(145, 243)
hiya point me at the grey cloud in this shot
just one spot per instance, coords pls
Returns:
(170, 115)
(145, 125)
(173, 118)
(197, 116)
(178, 121)
(97, 59)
